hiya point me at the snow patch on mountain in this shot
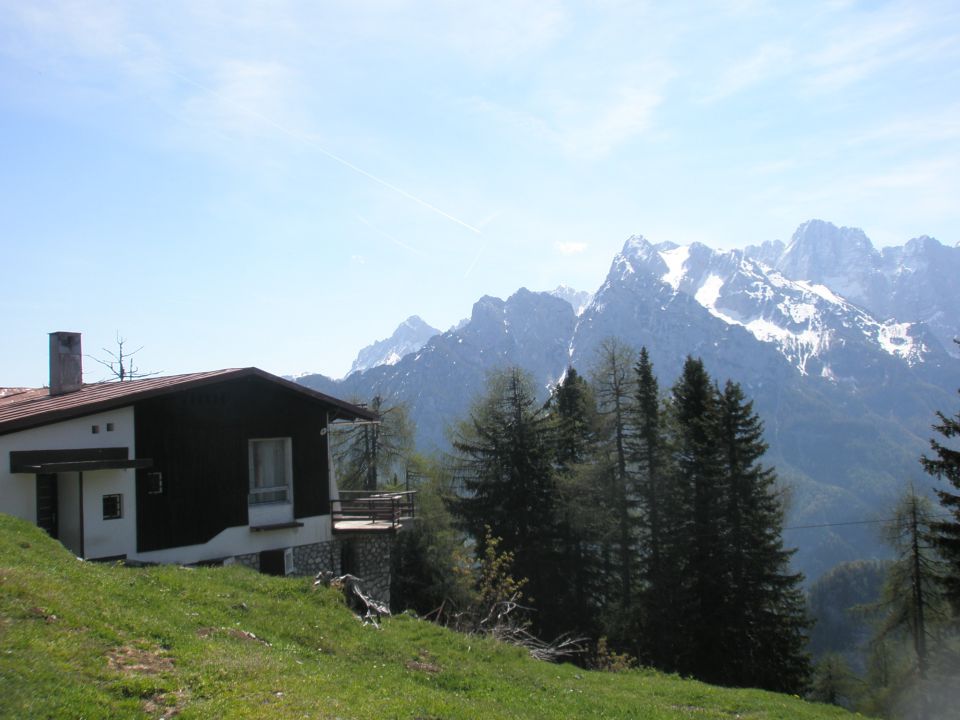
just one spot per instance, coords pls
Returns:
(805, 320)
(709, 291)
(675, 259)
(821, 290)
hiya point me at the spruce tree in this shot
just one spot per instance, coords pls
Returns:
(945, 464)
(765, 613)
(656, 580)
(507, 461)
(741, 615)
(698, 526)
(573, 408)
(573, 412)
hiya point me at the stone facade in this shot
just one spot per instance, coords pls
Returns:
(251, 560)
(368, 557)
(318, 557)
(365, 556)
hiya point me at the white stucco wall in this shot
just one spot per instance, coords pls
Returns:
(241, 540)
(106, 538)
(18, 491)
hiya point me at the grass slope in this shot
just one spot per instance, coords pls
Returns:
(98, 641)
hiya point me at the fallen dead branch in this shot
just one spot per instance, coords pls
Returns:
(367, 608)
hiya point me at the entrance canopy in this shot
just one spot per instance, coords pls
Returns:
(74, 460)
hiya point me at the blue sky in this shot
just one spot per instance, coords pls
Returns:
(279, 184)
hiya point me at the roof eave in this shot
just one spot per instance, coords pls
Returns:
(342, 410)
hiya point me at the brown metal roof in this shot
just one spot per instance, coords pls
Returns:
(32, 408)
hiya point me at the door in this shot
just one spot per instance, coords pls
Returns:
(47, 503)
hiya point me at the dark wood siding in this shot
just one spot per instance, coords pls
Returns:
(198, 440)
(47, 506)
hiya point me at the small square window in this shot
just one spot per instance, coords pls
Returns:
(94, 429)
(112, 507)
(154, 483)
(109, 427)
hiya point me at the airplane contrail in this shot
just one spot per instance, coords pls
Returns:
(389, 237)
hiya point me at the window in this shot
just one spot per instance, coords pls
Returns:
(154, 483)
(112, 507)
(270, 471)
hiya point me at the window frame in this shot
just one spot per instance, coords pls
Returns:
(254, 493)
(112, 497)
(154, 482)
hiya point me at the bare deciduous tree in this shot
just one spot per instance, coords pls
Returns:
(120, 362)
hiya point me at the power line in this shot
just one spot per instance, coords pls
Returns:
(856, 522)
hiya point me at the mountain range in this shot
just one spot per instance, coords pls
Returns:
(845, 351)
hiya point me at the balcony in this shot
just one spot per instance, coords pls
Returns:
(364, 511)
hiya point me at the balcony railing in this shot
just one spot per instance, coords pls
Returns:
(363, 510)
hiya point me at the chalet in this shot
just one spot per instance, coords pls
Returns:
(211, 467)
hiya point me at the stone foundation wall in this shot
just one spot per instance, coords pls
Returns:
(366, 556)
(318, 557)
(252, 560)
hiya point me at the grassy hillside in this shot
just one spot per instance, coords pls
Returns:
(95, 641)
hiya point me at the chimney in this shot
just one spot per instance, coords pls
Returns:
(66, 363)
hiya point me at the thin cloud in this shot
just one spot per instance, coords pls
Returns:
(494, 33)
(570, 248)
(769, 61)
(865, 46)
(582, 127)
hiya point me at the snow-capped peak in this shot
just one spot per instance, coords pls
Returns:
(804, 319)
(411, 335)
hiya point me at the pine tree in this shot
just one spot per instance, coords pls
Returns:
(507, 460)
(946, 465)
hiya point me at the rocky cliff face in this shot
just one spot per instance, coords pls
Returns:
(917, 282)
